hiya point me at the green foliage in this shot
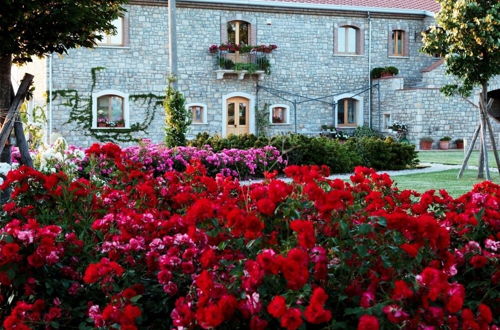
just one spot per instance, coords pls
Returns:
(225, 63)
(33, 124)
(377, 72)
(28, 28)
(81, 112)
(445, 138)
(467, 35)
(365, 131)
(383, 154)
(262, 119)
(177, 117)
(303, 150)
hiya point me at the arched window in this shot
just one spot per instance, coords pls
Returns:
(110, 109)
(348, 40)
(238, 32)
(279, 114)
(347, 112)
(398, 43)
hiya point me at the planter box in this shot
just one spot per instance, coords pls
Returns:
(460, 145)
(425, 145)
(444, 145)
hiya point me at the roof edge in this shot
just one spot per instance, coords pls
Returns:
(266, 3)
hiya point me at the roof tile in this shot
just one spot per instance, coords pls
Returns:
(429, 5)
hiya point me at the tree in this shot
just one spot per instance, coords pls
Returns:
(177, 117)
(468, 36)
(38, 27)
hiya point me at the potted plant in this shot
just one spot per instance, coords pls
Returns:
(389, 71)
(426, 143)
(102, 122)
(444, 143)
(383, 72)
(459, 143)
(120, 123)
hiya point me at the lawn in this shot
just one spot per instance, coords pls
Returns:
(452, 157)
(441, 180)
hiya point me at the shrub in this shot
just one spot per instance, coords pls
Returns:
(177, 117)
(299, 149)
(384, 154)
(365, 131)
(445, 138)
(126, 248)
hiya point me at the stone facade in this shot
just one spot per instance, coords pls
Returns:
(304, 65)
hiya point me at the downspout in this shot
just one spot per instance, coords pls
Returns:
(49, 133)
(369, 69)
(172, 40)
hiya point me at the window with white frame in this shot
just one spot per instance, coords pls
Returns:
(279, 114)
(348, 40)
(198, 113)
(117, 39)
(387, 121)
(349, 111)
(110, 109)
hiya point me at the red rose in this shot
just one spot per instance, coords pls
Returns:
(368, 322)
(266, 206)
(478, 261)
(292, 319)
(277, 306)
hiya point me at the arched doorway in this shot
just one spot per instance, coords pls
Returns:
(238, 114)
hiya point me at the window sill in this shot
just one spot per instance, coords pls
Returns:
(348, 55)
(400, 57)
(112, 47)
(111, 128)
(241, 74)
(283, 124)
(199, 123)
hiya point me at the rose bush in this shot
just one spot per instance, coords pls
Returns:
(125, 245)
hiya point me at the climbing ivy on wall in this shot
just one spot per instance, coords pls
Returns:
(81, 112)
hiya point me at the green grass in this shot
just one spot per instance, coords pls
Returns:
(453, 157)
(441, 180)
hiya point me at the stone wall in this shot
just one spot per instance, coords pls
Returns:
(303, 64)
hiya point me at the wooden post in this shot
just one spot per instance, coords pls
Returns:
(469, 152)
(9, 121)
(21, 139)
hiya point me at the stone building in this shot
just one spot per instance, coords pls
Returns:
(318, 75)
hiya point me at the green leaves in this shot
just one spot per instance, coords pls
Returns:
(468, 36)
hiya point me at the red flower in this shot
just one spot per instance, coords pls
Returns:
(315, 312)
(484, 314)
(266, 206)
(305, 233)
(368, 322)
(411, 249)
(102, 271)
(478, 261)
(277, 306)
(292, 319)
(401, 291)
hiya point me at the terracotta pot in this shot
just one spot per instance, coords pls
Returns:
(460, 145)
(444, 145)
(425, 145)
(102, 125)
(386, 75)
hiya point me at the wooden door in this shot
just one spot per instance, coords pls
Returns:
(237, 116)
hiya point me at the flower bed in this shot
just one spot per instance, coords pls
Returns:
(131, 247)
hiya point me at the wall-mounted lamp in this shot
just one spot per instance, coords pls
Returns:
(269, 22)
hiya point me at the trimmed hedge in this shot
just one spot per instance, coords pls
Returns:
(340, 157)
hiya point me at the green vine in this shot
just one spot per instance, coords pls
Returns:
(81, 112)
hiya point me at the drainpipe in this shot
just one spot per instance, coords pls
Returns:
(49, 133)
(172, 40)
(369, 69)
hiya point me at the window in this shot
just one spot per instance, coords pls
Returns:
(347, 40)
(110, 110)
(347, 112)
(387, 121)
(198, 113)
(279, 114)
(398, 43)
(114, 39)
(238, 33)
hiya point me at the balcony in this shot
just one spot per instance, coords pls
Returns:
(242, 61)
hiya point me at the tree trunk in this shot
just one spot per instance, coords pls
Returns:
(5, 99)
